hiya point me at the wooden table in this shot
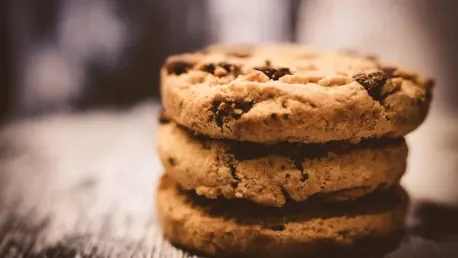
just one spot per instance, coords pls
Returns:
(83, 185)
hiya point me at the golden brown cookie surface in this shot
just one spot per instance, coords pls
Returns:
(271, 174)
(277, 93)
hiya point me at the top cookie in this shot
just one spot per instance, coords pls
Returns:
(276, 93)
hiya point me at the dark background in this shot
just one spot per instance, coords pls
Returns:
(151, 30)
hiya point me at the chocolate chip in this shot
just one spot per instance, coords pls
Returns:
(224, 111)
(172, 161)
(178, 67)
(373, 83)
(273, 116)
(209, 68)
(273, 73)
(218, 114)
(268, 63)
(230, 68)
(226, 66)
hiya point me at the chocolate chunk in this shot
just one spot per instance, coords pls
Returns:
(230, 68)
(373, 83)
(273, 73)
(225, 111)
(209, 68)
(219, 113)
(226, 66)
(178, 67)
(245, 106)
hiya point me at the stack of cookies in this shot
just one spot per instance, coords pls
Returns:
(281, 149)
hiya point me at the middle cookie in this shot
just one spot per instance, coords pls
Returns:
(272, 174)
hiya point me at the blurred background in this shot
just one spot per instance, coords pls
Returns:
(75, 56)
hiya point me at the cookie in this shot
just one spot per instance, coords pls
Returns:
(276, 93)
(272, 174)
(235, 227)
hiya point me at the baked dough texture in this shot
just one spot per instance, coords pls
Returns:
(235, 227)
(273, 174)
(278, 93)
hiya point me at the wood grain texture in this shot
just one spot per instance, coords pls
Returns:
(83, 185)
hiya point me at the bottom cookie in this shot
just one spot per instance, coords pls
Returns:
(238, 227)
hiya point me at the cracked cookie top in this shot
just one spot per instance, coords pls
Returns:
(274, 93)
